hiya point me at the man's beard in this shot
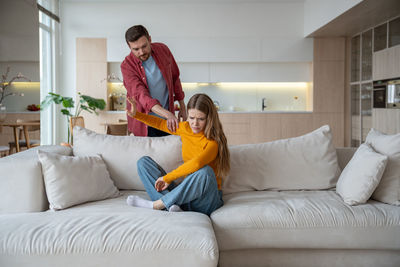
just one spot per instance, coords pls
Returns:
(144, 57)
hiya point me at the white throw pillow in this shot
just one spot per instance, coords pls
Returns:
(361, 175)
(121, 153)
(304, 162)
(388, 190)
(71, 180)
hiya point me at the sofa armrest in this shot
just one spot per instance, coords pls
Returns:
(21, 180)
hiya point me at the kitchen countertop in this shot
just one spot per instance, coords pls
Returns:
(267, 112)
(23, 112)
(221, 112)
(246, 112)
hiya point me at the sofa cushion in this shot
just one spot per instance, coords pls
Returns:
(71, 180)
(304, 219)
(107, 233)
(121, 153)
(361, 175)
(305, 162)
(22, 188)
(388, 190)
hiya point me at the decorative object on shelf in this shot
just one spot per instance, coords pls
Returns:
(33, 107)
(118, 101)
(216, 104)
(112, 77)
(86, 103)
(117, 98)
(2, 114)
(4, 85)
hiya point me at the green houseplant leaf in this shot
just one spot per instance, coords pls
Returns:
(87, 103)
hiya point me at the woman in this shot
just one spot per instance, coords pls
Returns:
(206, 161)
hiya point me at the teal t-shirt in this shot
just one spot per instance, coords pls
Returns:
(156, 82)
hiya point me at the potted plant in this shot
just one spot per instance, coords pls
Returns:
(85, 102)
(4, 85)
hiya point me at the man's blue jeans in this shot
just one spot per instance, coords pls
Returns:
(197, 192)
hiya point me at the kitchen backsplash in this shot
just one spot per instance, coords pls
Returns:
(248, 97)
(229, 97)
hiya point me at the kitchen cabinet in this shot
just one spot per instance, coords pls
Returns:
(380, 37)
(386, 63)
(386, 56)
(361, 86)
(394, 32)
(386, 120)
(259, 127)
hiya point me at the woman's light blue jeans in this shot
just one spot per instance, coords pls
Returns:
(197, 192)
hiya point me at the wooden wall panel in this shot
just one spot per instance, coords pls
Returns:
(296, 124)
(329, 86)
(347, 96)
(329, 49)
(336, 123)
(265, 127)
(91, 75)
(91, 49)
(236, 128)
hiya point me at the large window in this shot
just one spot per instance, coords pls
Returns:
(49, 54)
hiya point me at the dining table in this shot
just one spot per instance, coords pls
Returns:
(24, 126)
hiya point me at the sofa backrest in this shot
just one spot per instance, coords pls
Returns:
(307, 162)
(21, 180)
(344, 155)
(121, 153)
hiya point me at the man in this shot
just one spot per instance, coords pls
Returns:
(151, 77)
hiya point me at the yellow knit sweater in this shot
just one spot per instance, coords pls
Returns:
(197, 150)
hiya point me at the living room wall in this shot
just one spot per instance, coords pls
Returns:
(19, 49)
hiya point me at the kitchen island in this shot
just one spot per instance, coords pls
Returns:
(264, 126)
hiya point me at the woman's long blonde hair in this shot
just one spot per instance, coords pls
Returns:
(213, 130)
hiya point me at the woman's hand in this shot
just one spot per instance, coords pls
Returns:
(132, 111)
(161, 185)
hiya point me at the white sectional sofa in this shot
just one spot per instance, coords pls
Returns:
(281, 207)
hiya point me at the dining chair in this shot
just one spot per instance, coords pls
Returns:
(4, 150)
(75, 121)
(22, 141)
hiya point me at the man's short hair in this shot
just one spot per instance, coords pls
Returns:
(135, 32)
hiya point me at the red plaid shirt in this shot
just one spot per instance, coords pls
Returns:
(135, 83)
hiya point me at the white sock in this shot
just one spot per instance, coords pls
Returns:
(175, 208)
(137, 201)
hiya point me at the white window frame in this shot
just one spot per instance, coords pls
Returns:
(49, 35)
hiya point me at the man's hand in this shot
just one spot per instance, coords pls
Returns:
(161, 185)
(172, 122)
(132, 111)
